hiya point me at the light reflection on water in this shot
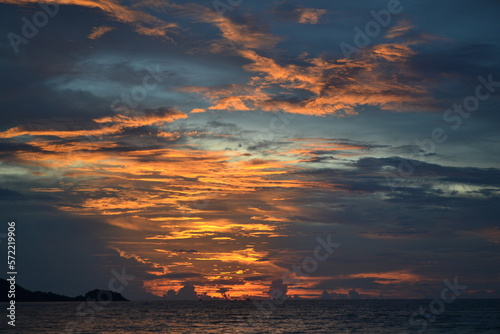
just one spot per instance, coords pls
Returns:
(338, 316)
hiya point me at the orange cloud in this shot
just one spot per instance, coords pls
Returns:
(399, 29)
(158, 268)
(234, 34)
(97, 32)
(115, 124)
(199, 229)
(336, 87)
(146, 117)
(379, 75)
(310, 15)
(142, 22)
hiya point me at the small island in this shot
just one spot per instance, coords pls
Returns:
(24, 295)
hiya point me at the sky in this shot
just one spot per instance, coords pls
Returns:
(234, 148)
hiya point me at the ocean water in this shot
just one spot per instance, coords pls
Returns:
(292, 316)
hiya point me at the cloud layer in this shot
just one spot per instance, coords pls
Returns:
(258, 137)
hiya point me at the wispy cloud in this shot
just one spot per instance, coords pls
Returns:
(310, 15)
(112, 125)
(142, 22)
(379, 76)
(98, 32)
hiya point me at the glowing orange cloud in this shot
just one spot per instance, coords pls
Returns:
(142, 22)
(233, 33)
(336, 87)
(115, 124)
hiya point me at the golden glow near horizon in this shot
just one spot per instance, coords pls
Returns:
(206, 217)
(178, 198)
(173, 199)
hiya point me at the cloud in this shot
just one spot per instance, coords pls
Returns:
(258, 278)
(112, 124)
(380, 76)
(157, 268)
(179, 192)
(142, 22)
(353, 294)
(145, 117)
(187, 292)
(400, 29)
(223, 292)
(327, 87)
(197, 110)
(183, 275)
(310, 15)
(98, 32)
(290, 12)
(252, 201)
(278, 289)
(244, 33)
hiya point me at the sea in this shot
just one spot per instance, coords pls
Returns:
(290, 316)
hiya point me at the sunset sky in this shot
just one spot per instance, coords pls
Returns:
(197, 142)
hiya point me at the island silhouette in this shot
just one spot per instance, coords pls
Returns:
(24, 295)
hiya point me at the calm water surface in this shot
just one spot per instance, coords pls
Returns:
(349, 316)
